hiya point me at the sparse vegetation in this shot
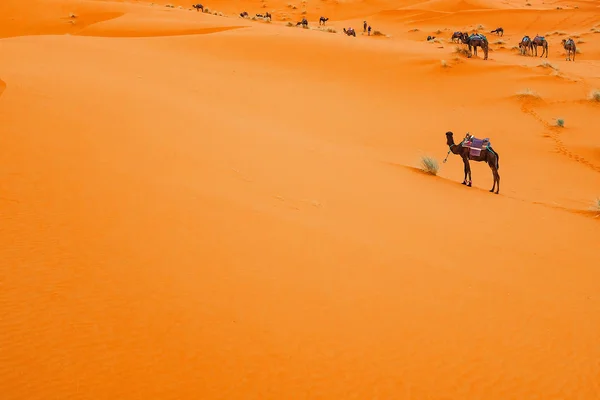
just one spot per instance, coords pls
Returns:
(444, 64)
(414, 30)
(499, 42)
(528, 4)
(546, 64)
(72, 15)
(438, 32)
(429, 165)
(578, 51)
(595, 95)
(462, 51)
(596, 206)
(527, 93)
(289, 24)
(378, 33)
(480, 27)
(560, 122)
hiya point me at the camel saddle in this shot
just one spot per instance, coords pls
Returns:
(540, 37)
(475, 144)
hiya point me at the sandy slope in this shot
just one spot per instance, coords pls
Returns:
(203, 206)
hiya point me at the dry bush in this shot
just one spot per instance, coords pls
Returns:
(462, 51)
(595, 95)
(546, 64)
(290, 24)
(499, 42)
(444, 64)
(527, 92)
(596, 207)
(429, 165)
(378, 33)
(560, 122)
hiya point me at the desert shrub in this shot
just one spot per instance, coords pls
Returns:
(499, 42)
(546, 64)
(462, 51)
(527, 92)
(595, 95)
(378, 33)
(289, 24)
(444, 63)
(560, 122)
(429, 165)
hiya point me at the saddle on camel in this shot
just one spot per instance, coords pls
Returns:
(476, 145)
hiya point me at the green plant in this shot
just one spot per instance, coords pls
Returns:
(429, 165)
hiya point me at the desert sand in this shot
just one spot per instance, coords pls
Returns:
(202, 206)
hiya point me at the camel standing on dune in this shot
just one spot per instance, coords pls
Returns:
(198, 7)
(525, 45)
(476, 40)
(472, 148)
(498, 31)
(569, 45)
(322, 20)
(542, 42)
(304, 22)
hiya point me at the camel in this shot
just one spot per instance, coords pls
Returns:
(350, 32)
(264, 16)
(430, 37)
(304, 22)
(244, 14)
(526, 44)
(268, 16)
(476, 40)
(322, 20)
(569, 45)
(542, 42)
(198, 7)
(482, 151)
(457, 35)
(498, 31)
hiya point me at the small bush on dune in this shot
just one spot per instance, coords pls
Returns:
(462, 51)
(289, 24)
(378, 33)
(596, 207)
(527, 93)
(546, 64)
(499, 42)
(429, 165)
(444, 63)
(560, 123)
(595, 95)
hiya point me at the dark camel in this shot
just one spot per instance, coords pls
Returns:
(322, 20)
(198, 7)
(569, 45)
(350, 32)
(476, 40)
(457, 35)
(487, 154)
(244, 14)
(430, 38)
(525, 45)
(542, 42)
(304, 22)
(498, 31)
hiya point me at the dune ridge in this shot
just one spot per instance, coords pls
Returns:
(206, 206)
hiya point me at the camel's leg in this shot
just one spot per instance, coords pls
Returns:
(469, 171)
(466, 169)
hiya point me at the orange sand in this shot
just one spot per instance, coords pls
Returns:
(197, 206)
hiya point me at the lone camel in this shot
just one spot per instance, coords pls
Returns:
(498, 31)
(475, 149)
(322, 20)
(569, 45)
(350, 32)
(198, 7)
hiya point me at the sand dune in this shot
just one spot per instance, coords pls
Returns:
(241, 214)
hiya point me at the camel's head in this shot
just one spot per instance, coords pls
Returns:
(449, 138)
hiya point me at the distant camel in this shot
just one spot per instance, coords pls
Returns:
(350, 32)
(525, 45)
(430, 38)
(304, 22)
(498, 31)
(542, 42)
(198, 7)
(457, 35)
(244, 14)
(268, 16)
(475, 149)
(322, 20)
(476, 40)
(569, 45)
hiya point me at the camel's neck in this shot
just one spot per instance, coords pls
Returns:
(454, 148)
